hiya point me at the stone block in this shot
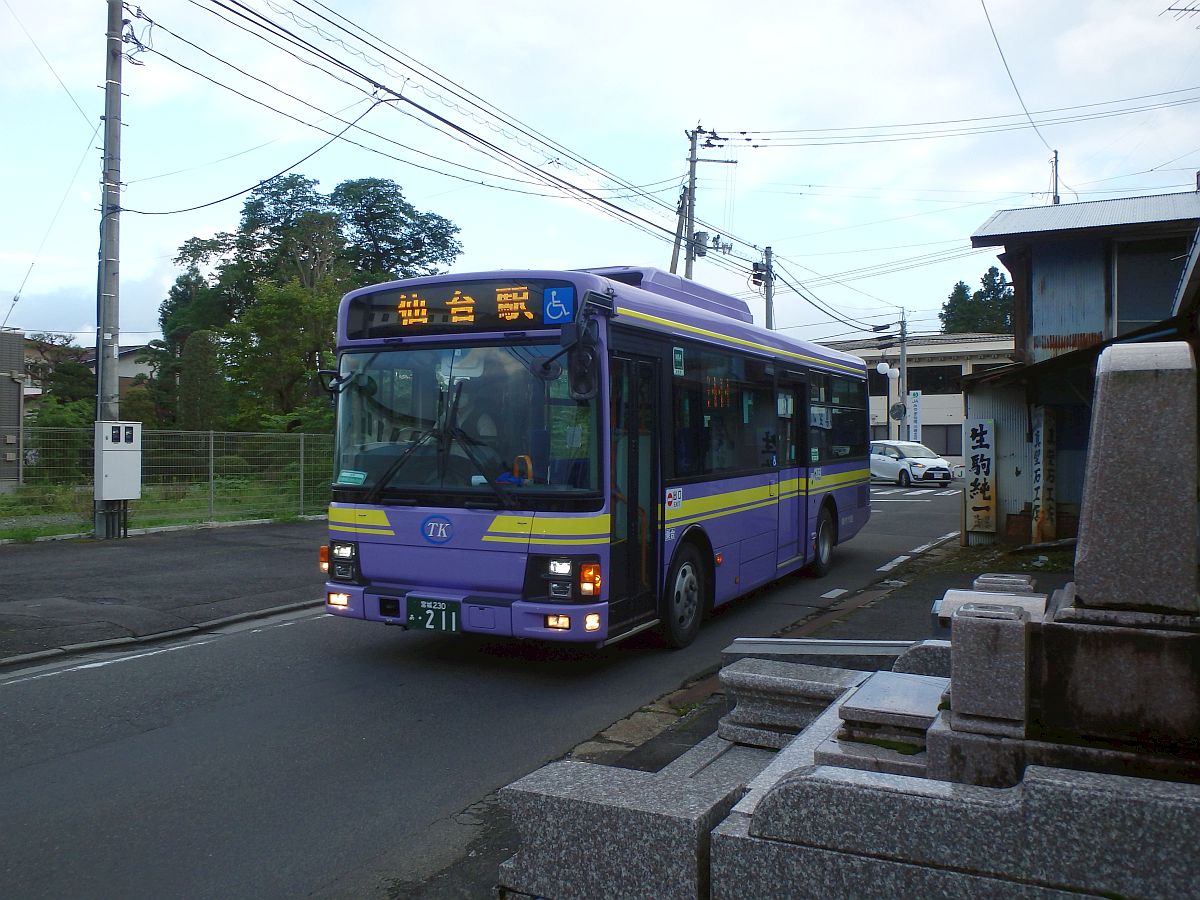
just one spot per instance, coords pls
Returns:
(925, 658)
(1141, 389)
(871, 757)
(1005, 583)
(1124, 686)
(993, 760)
(895, 699)
(770, 701)
(1128, 837)
(945, 607)
(595, 832)
(745, 866)
(863, 656)
(988, 676)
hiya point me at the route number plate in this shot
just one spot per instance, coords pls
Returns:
(428, 614)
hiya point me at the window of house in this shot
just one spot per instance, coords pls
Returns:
(944, 440)
(935, 379)
(1147, 275)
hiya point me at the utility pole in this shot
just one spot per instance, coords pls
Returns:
(770, 290)
(1054, 169)
(690, 226)
(711, 139)
(682, 219)
(108, 280)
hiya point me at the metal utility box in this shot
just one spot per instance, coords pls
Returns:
(118, 460)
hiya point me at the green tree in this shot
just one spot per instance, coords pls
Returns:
(55, 413)
(138, 404)
(70, 381)
(202, 389)
(387, 237)
(987, 311)
(270, 289)
(276, 346)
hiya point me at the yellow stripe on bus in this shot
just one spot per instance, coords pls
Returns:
(352, 529)
(375, 518)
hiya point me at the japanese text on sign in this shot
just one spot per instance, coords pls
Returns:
(980, 493)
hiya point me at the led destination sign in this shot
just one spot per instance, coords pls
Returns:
(467, 306)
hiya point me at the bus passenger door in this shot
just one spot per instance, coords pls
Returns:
(793, 504)
(634, 417)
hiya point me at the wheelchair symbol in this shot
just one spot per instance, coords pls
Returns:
(555, 310)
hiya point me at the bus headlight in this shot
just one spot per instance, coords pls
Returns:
(343, 561)
(560, 567)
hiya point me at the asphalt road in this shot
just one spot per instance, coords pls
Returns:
(311, 756)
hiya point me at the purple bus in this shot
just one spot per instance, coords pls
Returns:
(580, 455)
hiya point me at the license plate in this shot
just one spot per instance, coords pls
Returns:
(428, 614)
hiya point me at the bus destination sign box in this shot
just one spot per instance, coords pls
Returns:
(455, 307)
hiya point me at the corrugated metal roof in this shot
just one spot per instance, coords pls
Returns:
(1092, 214)
(924, 341)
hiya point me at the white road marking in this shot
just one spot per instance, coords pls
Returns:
(948, 493)
(834, 594)
(887, 567)
(880, 493)
(903, 500)
(915, 551)
(105, 662)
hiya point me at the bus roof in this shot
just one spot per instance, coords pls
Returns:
(664, 302)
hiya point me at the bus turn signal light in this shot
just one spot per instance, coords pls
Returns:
(324, 559)
(589, 579)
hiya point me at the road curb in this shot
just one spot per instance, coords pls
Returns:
(90, 646)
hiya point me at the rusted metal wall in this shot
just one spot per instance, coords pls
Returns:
(1069, 297)
(1014, 456)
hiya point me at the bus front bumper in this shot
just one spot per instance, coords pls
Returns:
(438, 611)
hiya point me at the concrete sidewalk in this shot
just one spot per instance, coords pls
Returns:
(66, 596)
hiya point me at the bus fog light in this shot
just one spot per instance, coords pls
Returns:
(560, 567)
(591, 622)
(561, 623)
(338, 598)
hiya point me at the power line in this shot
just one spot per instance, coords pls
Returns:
(21, 25)
(1012, 80)
(265, 180)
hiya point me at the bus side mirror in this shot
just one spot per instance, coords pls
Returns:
(582, 363)
(330, 380)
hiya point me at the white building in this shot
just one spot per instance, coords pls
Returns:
(935, 367)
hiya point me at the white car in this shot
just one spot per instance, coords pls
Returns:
(907, 462)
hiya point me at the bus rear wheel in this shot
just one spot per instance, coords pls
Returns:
(823, 545)
(686, 598)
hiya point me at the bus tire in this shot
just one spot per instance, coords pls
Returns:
(685, 599)
(823, 545)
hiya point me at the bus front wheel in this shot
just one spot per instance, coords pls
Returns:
(686, 598)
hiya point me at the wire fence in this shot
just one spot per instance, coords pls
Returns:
(188, 477)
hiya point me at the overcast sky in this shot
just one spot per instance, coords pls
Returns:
(886, 133)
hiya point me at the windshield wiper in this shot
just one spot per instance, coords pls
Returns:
(390, 472)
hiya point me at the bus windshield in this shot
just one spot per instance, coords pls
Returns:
(491, 425)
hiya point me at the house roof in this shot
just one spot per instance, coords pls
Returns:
(1157, 209)
(930, 340)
